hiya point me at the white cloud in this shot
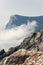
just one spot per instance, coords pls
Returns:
(14, 36)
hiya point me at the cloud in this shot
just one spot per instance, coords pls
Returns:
(14, 36)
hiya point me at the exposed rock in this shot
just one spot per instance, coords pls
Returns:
(24, 57)
(33, 42)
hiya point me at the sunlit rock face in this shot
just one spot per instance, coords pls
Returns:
(17, 20)
(35, 41)
(24, 57)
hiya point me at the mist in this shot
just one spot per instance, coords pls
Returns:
(13, 37)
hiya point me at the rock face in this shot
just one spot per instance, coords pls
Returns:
(29, 52)
(24, 57)
(33, 42)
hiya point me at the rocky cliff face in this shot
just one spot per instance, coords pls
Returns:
(29, 52)
(24, 57)
(33, 42)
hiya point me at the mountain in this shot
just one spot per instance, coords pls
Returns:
(35, 42)
(17, 20)
(29, 52)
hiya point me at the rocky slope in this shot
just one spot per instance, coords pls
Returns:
(24, 57)
(23, 54)
(35, 41)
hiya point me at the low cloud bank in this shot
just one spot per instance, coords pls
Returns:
(14, 36)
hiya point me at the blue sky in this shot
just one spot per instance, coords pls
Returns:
(22, 7)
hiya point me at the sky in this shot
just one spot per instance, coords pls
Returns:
(8, 8)
(22, 7)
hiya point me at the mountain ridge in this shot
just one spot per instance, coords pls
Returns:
(17, 20)
(35, 41)
(29, 52)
